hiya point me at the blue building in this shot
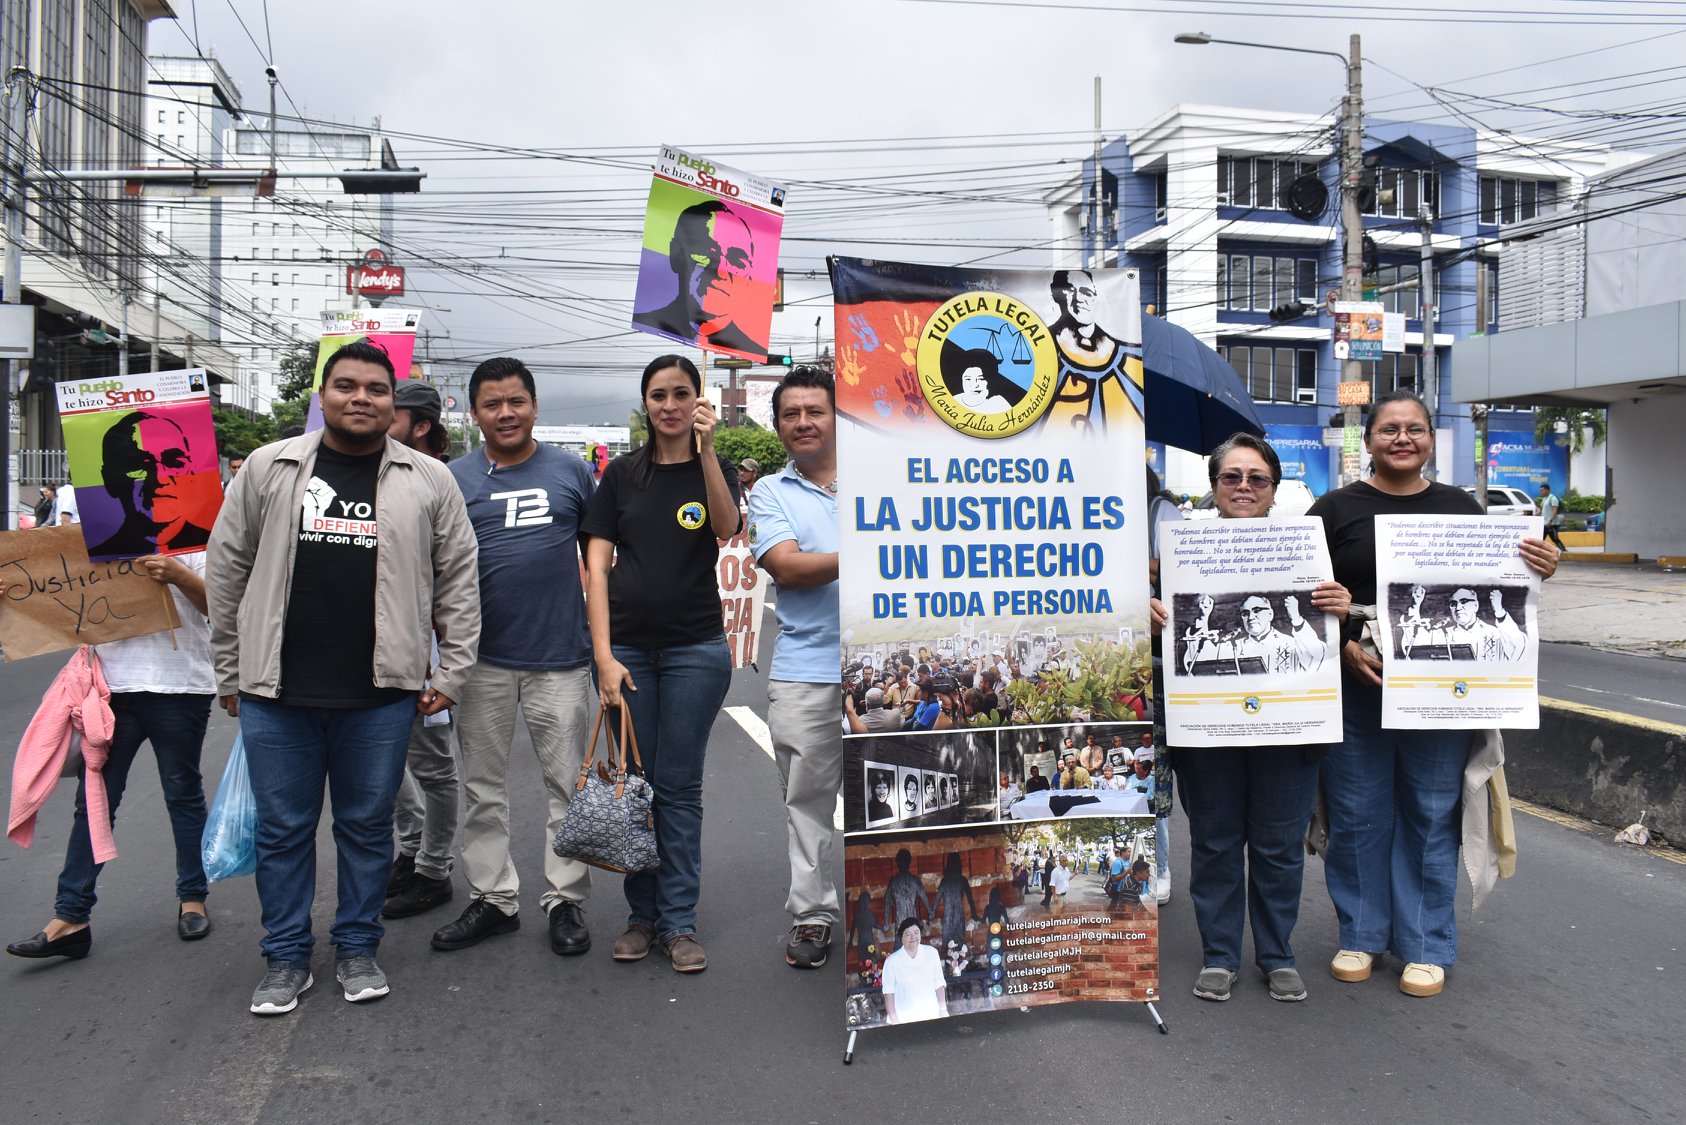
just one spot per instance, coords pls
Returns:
(1197, 199)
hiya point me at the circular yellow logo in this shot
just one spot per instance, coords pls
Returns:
(691, 515)
(987, 364)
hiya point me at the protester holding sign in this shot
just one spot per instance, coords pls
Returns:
(654, 611)
(161, 691)
(1248, 806)
(793, 530)
(1393, 795)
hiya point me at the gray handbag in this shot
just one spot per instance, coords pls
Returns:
(609, 823)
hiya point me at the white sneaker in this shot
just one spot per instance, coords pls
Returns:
(1162, 888)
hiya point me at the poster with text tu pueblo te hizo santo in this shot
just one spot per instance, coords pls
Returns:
(143, 460)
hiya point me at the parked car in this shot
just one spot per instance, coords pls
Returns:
(1504, 501)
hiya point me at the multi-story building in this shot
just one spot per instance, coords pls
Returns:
(1198, 199)
(1595, 317)
(285, 255)
(85, 264)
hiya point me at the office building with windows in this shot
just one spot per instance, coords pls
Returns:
(1198, 200)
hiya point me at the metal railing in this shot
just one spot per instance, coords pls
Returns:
(42, 466)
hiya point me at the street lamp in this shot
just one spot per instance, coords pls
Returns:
(1352, 223)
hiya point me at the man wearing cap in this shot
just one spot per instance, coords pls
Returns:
(425, 818)
(1301, 649)
(1073, 776)
(748, 469)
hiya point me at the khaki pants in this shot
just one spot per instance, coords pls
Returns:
(557, 708)
(806, 726)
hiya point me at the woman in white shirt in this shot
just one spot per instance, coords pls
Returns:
(914, 988)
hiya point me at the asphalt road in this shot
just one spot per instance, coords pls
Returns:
(1564, 1006)
(1647, 686)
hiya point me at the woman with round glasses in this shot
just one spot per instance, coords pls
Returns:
(1248, 807)
(1392, 796)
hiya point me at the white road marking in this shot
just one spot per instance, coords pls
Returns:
(754, 726)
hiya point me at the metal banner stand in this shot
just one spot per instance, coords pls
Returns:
(1158, 1021)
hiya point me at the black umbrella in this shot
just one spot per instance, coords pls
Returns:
(1194, 398)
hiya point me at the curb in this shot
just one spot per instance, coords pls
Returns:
(1602, 765)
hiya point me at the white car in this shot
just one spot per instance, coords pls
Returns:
(1505, 501)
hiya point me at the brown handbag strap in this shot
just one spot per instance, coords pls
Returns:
(591, 749)
(629, 738)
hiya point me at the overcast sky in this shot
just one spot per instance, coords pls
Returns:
(859, 106)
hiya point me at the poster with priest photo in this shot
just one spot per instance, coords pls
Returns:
(1249, 661)
(1458, 620)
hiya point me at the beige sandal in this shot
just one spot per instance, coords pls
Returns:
(1352, 965)
(1422, 980)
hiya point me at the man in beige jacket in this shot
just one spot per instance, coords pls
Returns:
(334, 558)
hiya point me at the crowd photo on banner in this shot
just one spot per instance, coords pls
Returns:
(995, 664)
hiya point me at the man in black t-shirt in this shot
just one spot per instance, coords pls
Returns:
(322, 645)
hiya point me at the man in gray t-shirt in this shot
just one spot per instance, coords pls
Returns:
(525, 501)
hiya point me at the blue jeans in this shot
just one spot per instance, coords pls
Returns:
(291, 751)
(1393, 799)
(175, 725)
(1247, 814)
(680, 691)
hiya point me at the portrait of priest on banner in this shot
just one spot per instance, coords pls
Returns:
(1255, 634)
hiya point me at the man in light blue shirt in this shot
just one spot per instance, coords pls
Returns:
(793, 531)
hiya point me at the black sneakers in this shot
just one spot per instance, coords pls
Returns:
(808, 946)
(417, 895)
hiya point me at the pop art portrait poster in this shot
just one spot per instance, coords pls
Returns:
(143, 460)
(988, 422)
(709, 262)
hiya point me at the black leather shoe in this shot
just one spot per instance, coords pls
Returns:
(480, 921)
(402, 868)
(568, 935)
(74, 945)
(191, 926)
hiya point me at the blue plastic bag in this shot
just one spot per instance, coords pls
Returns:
(229, 847)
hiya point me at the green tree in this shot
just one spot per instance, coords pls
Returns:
(296, 372)
(738, 442)
(239, 433)
(1578, 419)
(637, 423)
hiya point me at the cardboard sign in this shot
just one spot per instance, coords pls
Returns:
(55, 598)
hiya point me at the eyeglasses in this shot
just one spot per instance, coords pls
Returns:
(1415, 433)
(1463, 601)
(1255, 480)
(1257, 609)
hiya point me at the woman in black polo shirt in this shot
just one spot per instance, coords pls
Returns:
(654, 608)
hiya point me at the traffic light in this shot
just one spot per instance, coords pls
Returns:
(778, 361)
(44, 368)
(1292, 310)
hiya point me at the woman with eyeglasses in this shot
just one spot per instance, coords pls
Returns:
(1247, 807)
(1392, 796)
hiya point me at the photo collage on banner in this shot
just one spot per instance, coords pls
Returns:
(708, 270)
(1459, 616)
(391, 330)
(1248, 660)
(143, 460)
(989, 552)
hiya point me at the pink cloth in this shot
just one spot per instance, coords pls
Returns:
(78, 699)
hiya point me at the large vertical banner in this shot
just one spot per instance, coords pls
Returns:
(1459, 612)
(709, 265)
(993, 581)
(743, 591)
(143, 459)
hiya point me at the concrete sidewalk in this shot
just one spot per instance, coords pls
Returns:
(1632, 608)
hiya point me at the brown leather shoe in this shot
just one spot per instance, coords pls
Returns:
(686, 953)
(634, 945)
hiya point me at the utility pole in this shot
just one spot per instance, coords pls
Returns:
(1478, 410)
(17, 151)
(1352, 236)
(1430, 314)
(1095, 242)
